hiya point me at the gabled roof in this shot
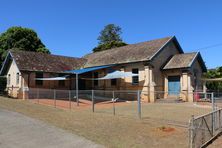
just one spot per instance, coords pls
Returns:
(129, 53)
(184, 61)
(34, 61)
(144, 51)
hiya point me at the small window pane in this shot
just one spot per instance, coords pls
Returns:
(17, 78)
(113, 82)
(135, 79)
(61, 82)
(96, 82)
(9, 79)
(39, 82)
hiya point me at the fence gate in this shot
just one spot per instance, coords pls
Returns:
(204, 128)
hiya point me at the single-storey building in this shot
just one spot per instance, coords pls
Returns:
(161, 65)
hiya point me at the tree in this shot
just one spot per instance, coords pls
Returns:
(109, 38)
(214, 73)
(20, 39)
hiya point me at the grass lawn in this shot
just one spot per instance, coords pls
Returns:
(109, 130)
(178, 113)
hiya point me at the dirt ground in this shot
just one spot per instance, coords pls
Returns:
(217, 143)
(120, 130)
(178, 112)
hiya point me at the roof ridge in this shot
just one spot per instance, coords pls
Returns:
(191, 52)
(11, 50)
(170, 37)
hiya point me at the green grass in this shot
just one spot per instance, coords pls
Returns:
(178, 112)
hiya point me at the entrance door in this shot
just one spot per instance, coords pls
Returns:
(173, 85)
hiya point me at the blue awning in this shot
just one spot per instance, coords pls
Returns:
(84, 70)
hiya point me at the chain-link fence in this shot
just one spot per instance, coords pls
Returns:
(168, 107)
(101, 101)
(171, 108)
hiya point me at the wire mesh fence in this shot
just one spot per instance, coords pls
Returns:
(56, 98)
(169, 107)
(100, 101)
(131, 103)
(117, 102)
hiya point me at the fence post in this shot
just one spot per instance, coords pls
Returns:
(114, 109)
(38, 95)
(139, 104)
(213, 123)
(213, 113)
(69, 99)
(93, 100)
(219, 118)
(191, 132)
(212, 101)
(54, 97)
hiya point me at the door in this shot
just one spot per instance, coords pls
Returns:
(173, 85)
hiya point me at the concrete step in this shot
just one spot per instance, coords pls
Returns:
(167, 100)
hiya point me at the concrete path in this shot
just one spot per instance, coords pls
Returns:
(19, 131)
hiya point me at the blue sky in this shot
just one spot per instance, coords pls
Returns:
(71, 27)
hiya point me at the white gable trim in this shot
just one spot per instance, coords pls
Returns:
(160, 49)
(191, 63)
(4, 63)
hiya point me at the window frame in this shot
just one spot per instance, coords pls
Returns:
(62, 83)
(96, 82)
(113, 82)
(39, 82)
(17, 78)
(135, 79)
(9, 79)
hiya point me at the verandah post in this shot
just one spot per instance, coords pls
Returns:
(92, 100)
(54, 94)
(114, 109)
(69, 99)
(77, 90)
(38, 95)
(139, 104)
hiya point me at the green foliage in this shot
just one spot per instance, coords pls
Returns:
(216, 73)
(21, 39)
(109, 38)
(110, 45)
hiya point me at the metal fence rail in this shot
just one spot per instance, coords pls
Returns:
(106, 101)
(204, 128)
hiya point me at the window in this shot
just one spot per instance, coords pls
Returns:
(135, 79)
(39, 82)
(17, 78)
(96, 82)
(61, 82)
(195, 78)
(113, 82)
(9, 79)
